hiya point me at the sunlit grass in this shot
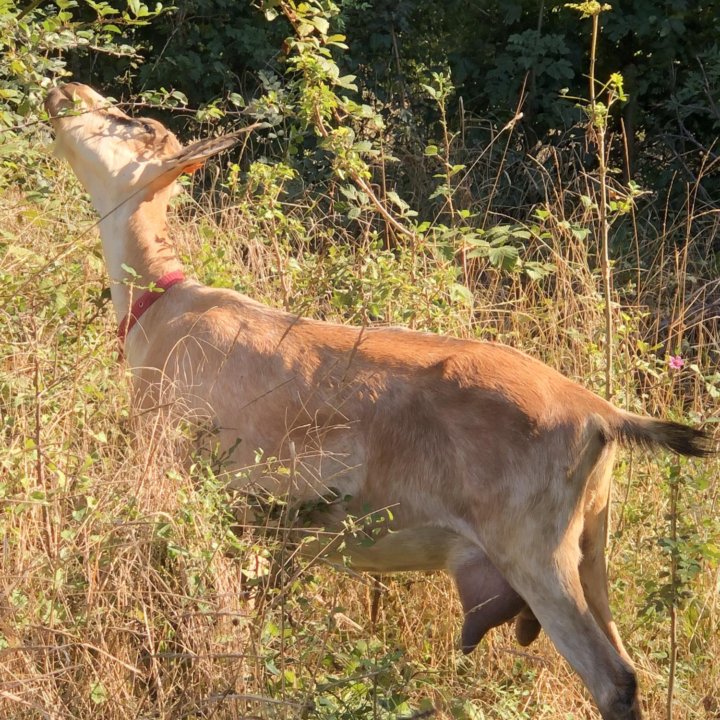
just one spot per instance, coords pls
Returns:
(128, 589)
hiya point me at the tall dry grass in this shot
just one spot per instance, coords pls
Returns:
(132, 586)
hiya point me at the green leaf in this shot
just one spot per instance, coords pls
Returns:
(363, 146)
(304, 29)
(98, 693)
(347, 82)
(537, 271)
(349, 191)
(130, 271)
(431, 91)
(321, 24)
(476, 239)
(499, 234)
(461, 294)
(396, 200)
(503, 257)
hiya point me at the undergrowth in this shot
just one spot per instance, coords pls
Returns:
(134, 584)
(131, 587)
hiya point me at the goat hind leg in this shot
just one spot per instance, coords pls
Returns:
(593, 575)
(551, 586)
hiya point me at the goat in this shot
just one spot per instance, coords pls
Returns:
(496, 466)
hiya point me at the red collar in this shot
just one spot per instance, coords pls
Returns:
(159, 288)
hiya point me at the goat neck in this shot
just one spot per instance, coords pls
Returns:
(135, 236)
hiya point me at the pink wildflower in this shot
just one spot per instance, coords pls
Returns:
(676, 362)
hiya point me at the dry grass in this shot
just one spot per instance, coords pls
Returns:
(127, 589)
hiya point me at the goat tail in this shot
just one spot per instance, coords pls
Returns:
(633, 429)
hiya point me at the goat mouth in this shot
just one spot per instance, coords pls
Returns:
(64, 99)
(58, 101)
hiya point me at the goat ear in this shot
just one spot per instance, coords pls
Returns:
(196, 155)
(189, 169)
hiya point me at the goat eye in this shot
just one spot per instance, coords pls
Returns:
(148, 128)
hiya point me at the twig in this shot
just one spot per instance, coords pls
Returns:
(674, 493)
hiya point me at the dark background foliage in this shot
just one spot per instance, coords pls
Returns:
(500, 58)
(501, 55)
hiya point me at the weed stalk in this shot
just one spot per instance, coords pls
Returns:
(598, 117)
(674, 497)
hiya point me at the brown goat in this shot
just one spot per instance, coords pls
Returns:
(497, 467)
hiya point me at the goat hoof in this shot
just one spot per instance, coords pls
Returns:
(626, 705)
